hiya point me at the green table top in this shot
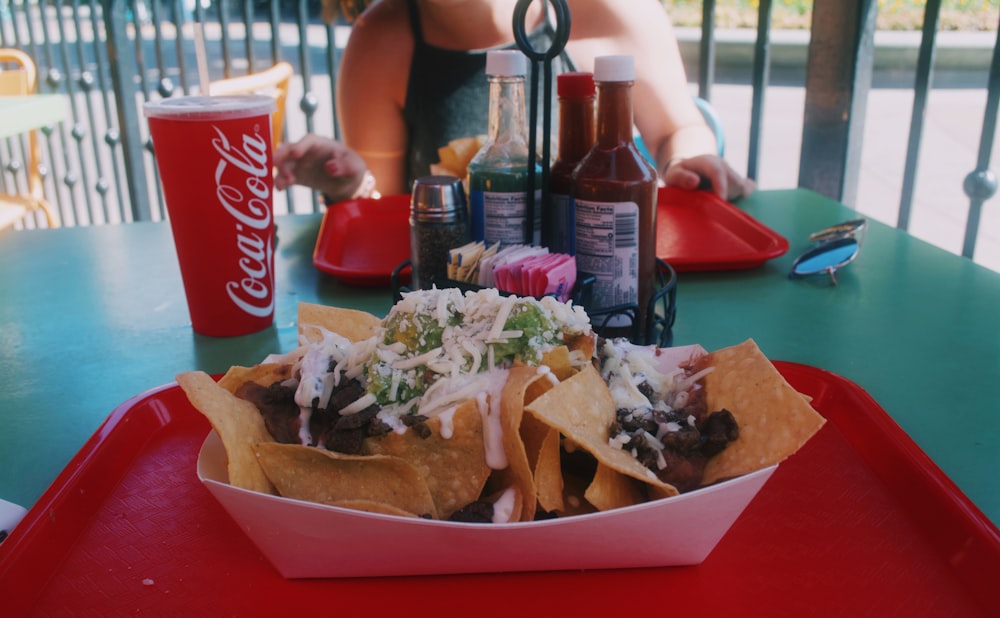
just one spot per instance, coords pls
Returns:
(90, 316)
(24, 113)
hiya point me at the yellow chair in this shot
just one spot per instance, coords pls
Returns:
(18, 76)
(273, 81)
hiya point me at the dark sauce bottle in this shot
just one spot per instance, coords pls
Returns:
(576, 137)
(614, 191)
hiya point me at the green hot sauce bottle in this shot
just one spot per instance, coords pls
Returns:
(498, 174)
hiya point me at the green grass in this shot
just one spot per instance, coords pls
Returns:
(967, 15)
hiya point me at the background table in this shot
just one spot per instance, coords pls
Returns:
(92, 316)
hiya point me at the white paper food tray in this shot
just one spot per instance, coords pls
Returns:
(307, 540)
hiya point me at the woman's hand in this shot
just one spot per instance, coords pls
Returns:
(724, 181)
(321, 164)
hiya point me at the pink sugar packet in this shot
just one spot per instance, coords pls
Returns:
(529, 271)
(560, 277)
(538, 275)
(506, 255)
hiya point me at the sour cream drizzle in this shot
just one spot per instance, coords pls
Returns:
(488, 401)
(447, 419)
(503, 508)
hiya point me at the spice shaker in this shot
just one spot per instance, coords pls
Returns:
(438, 222)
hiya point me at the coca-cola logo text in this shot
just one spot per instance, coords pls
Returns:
(243, 188)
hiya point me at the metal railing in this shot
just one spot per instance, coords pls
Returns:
(110, 56)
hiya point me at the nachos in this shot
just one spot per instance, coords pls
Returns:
(480, 407)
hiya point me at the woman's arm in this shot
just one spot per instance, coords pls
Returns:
(371, 92)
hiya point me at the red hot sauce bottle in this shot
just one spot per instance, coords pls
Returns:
(576, 137)
(614, 191)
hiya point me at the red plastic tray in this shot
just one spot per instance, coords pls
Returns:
(361, 241)
(859, 522)
(698, 231)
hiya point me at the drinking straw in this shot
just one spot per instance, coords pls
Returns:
(199, 51)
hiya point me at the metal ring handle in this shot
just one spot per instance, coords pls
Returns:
(559, 39)
(561, 30)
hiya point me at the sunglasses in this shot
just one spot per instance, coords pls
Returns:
(834, 247)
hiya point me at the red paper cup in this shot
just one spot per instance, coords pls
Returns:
(215, 163)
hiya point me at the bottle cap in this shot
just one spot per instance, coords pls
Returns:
(575, 84)
(506, 63)
(614, 69)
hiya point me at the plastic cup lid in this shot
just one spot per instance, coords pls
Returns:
(202, 107)
(506, 63)
(614, 69)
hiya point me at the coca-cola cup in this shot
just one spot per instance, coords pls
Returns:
(215, 161)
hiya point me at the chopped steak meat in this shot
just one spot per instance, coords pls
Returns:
(277, 405)
(343, 433)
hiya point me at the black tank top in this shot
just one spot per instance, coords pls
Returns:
(447, 96)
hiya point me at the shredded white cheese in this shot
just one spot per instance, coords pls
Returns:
(358, 405)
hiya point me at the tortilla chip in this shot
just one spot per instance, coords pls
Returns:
(456, 155)
(454, 467)
(518, 472)
(316, 475)
(611, 490)
(239, 425)
(582, 347)
(264, 374)
(436, 169)
(449, 159)
(549, 484)
(370, 506)
(582, 409)
(774, 419)
(558, 360)
(533, 433)
(351, 324)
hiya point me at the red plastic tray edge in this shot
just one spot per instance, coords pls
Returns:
(333, 224)
(970, 543)
(43, 529)
(971, 540)
(766, 244)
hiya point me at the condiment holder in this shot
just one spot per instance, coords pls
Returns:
(432, 221)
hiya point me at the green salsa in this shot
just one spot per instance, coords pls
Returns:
(441, 333)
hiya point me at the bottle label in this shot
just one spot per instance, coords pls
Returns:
(607, 247)
(243, 189)
(563, 232)
(503, 217)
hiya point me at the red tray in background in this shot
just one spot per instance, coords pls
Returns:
(859, 522)
(696, 231)
(361, 241)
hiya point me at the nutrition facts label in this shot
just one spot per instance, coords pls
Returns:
(505, 216)
(607, 246)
